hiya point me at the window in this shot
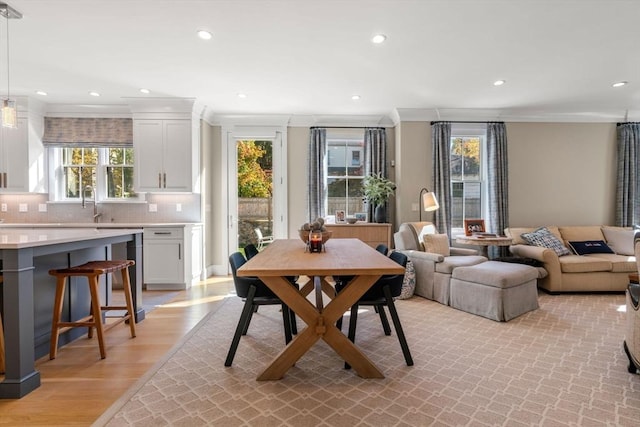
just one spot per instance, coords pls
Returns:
(120, 173)
(345, 172)
(467, 148)
(101, 173)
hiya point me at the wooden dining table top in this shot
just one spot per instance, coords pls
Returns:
(288, 257)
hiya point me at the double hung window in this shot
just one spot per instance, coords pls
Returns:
(467, 174)
(100, 173)
(345, 172)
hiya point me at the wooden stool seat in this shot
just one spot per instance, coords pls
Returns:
(92, 270)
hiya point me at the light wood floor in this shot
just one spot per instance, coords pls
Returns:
(78, 386)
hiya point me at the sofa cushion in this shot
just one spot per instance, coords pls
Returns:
(590, 247)
(496, 274)
(620, 239)
(581, 233)
(619, 263)
(583, 264)
(450, 263)
(545, 238)
(437, 244)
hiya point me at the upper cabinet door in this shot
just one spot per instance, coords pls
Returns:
(163, 150)
(14, 158)
(177, 155)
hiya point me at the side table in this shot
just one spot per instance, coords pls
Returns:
(484, 242)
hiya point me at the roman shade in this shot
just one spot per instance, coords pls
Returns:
(87, 132)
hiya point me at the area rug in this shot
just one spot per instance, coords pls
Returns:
(560, 365)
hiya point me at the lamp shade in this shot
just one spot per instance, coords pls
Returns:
(429, 202)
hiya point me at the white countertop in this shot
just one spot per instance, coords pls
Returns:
(18, 238)
(94, 225)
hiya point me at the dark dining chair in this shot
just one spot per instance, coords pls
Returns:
(381, 294)
(255, 293)
(250, 251)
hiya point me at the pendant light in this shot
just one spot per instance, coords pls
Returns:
(9, 114)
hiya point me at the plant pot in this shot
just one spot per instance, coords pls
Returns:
(380, 214)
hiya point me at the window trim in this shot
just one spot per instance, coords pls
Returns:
(56, 179)
(346, 135)
(473, 130)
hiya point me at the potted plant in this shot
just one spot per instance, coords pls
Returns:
(377, 190)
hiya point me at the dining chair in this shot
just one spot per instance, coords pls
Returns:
(379, 295)
(255, 293)
(262, 240)
(249, 252)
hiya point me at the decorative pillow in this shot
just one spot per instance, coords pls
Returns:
(546, 239)
(437, 244)
(619, 239)
(409, 282)
(590, 247)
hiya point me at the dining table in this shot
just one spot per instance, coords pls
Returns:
(339, 257)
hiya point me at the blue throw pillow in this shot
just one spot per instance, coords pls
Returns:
(545, 238)
(590, 247)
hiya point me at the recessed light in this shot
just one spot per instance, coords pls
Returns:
(41, 92)
(619, 84)
(242, 95)
(204, 34)
(93, 93)
(379, 38)
(143, 90)
(355, 97)
(499, 82)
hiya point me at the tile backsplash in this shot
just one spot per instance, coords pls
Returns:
(158, 208)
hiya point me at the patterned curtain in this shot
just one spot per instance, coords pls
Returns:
(498, 182)
(317, 170)
(441, 174)
(375, 156)
(628, 185)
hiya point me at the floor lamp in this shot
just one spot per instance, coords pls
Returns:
(429, 201)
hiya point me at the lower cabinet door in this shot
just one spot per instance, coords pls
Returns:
(164, 264)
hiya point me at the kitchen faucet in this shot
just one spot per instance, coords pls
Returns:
(92, 193)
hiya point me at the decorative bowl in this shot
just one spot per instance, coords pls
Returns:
(352, 219)
(304, 236)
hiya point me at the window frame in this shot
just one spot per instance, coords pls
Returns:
(57, 191)
(471, 130)
(351, 138)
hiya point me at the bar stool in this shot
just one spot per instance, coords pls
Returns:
(92, 270)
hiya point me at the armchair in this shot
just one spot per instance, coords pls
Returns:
(433, 270)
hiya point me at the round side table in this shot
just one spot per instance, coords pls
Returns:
(484, 242)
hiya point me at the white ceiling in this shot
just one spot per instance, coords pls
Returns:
(308, 57)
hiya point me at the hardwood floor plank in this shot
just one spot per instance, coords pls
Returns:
(78, 386)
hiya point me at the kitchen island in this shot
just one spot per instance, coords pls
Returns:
(27, 254)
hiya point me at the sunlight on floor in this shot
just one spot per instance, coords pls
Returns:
(195, 301)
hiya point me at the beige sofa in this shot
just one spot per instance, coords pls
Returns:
(433, 270)
(581, 273)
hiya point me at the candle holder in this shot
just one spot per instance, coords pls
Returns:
(315, 241)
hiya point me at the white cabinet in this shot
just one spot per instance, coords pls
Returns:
(172, 256)
(163, 155)
(14, 158)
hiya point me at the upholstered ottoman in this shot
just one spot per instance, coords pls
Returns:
(496, 290)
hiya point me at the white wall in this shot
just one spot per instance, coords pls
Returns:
(561, 173)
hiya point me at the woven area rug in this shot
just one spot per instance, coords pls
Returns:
(561, 365)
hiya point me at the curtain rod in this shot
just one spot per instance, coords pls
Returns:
(347, 127)
(464, 121)
(627, 123)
